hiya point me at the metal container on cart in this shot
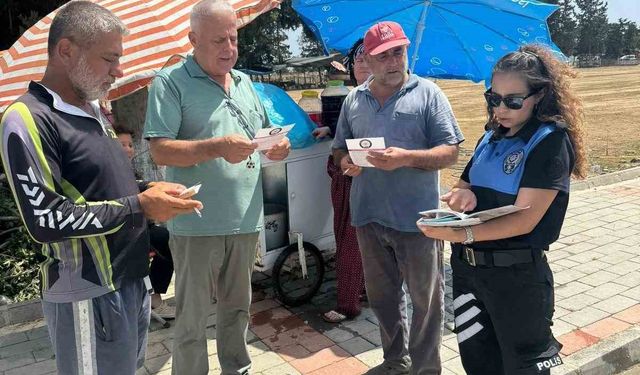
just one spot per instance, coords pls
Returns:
(299, 186)
(275, 225)
(332, 98)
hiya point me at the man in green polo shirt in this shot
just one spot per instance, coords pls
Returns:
(201, 118)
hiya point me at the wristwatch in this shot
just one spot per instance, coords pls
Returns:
(470, 238)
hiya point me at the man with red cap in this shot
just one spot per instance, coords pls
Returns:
(422, 136)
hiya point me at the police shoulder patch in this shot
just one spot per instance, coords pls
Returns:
(512, 161)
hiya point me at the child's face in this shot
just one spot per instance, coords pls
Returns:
(127, 144)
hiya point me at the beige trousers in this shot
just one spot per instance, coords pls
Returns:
(209, 269)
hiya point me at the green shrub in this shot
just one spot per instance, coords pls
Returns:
(19, 254)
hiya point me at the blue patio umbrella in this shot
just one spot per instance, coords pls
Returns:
(454, 39)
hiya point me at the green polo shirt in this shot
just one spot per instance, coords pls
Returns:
(186, 104)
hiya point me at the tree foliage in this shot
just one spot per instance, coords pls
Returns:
(631, 39)
(19, 256)
(580, 27)
(563, 26)
(18, 15)
(262, 43)
(309, 44)
(592, 27)
(614, 42)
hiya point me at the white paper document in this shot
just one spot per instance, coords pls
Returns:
(190, 192)
(269, 137)
(449, 218)
(359, 149)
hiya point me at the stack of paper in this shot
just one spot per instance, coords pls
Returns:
(448, 218)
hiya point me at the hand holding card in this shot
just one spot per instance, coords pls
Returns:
(268, 137)
(360, 148)
(190, 192)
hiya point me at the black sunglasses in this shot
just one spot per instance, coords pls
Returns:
(511, 102)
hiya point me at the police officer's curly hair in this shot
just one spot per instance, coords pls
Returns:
(543, 71)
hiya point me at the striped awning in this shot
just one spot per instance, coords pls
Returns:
(158, 31)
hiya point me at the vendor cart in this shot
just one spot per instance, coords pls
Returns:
(298, 222)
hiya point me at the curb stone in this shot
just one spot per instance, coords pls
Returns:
(20, 312)
(608, 357)
(606, 179)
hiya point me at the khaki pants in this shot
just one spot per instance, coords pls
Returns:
(208, 269)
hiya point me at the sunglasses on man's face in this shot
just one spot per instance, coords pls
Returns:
(511, 102)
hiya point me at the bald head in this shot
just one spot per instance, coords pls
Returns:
(209, 9)
(214, 36)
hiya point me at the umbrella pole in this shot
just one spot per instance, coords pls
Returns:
(419, 31)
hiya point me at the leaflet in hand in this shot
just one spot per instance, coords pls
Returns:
(359, 149)
(268, 137)
(190, 192)
(449, 218)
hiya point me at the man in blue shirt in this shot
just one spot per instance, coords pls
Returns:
(422, 136)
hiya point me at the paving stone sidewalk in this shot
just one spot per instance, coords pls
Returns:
(596, 266)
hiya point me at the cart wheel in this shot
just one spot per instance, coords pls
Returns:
(291, 287)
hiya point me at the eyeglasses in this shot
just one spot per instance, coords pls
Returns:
(511, 102)
(236, 111)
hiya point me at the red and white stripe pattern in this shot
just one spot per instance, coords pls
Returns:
(158, 30)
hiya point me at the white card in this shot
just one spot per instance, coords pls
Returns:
(268, 137)
(359, 149)
(190, 192)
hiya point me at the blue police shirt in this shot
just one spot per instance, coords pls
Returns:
(539, 156)
(417, 117)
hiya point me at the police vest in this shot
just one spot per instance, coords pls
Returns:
(499, 164)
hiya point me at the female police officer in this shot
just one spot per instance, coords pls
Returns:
(502, 284)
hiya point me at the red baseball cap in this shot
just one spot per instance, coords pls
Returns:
(383, 36)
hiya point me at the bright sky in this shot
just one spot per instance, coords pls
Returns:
(629, 9)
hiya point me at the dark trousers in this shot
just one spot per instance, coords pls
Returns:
(161, 268)
(503, 317)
